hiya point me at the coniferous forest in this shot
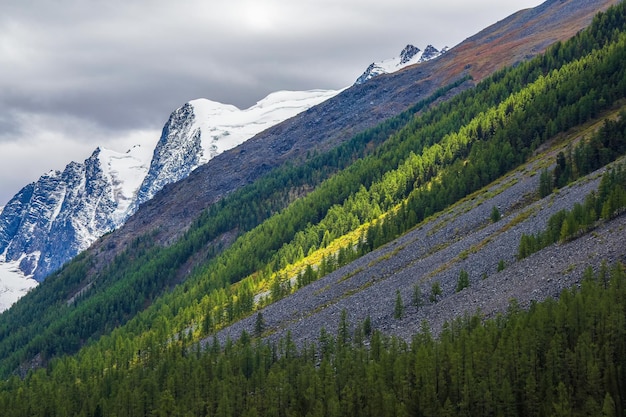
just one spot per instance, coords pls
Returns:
(129, 345)
(564, 357)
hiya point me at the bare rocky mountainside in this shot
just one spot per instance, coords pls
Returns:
(512, 40)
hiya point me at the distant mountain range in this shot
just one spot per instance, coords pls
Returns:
(50, 221)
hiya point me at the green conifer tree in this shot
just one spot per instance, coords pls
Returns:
(399, 307)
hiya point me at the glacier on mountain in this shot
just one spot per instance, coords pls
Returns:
(13, 284)
(202, 129)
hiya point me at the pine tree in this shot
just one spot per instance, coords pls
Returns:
(343, 335)
(259, 325)
(495, 214)
(435, 291)
(463, 281)
(399, 307)
(608, 406)
(545, 183)
(416, 300)
(367, 326)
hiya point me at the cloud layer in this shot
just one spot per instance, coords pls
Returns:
(77, 75)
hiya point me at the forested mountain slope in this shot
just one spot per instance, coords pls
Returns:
(461, 240)
(124, 272)
(412, 174)
(491, 175)
(510, 41)
(441, 196)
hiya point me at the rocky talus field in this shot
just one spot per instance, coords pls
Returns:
(462, 238)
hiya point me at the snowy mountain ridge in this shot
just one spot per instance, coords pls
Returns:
(410, 55)
(201, 129)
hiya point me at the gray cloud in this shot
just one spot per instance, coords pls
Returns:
(77, 75)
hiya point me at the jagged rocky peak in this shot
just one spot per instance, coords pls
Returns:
(202, 129)
(430, 53)
(408, 53)
(177, 152)
(54, 218)
(408, 56)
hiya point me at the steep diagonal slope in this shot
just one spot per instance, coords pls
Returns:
(520, 36)
(524, 34)
(140, 285)
(462, 239)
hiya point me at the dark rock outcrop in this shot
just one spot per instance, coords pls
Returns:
(51, 220)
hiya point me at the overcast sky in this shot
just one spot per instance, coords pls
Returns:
(77, 74)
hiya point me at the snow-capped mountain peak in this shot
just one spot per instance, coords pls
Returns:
(408, 53)
(408, 56)
(431, 53)
(201, 129)
(54, 218)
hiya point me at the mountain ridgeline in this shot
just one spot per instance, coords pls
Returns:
(138, 328)
(53, 219)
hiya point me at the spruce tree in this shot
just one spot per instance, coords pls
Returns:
(259, 325)
(399, 308)
(435, 291)
(463, 281)
(416, 300)
(495, 214)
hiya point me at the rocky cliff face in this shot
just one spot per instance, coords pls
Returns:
(51, 220)
(176, 154)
